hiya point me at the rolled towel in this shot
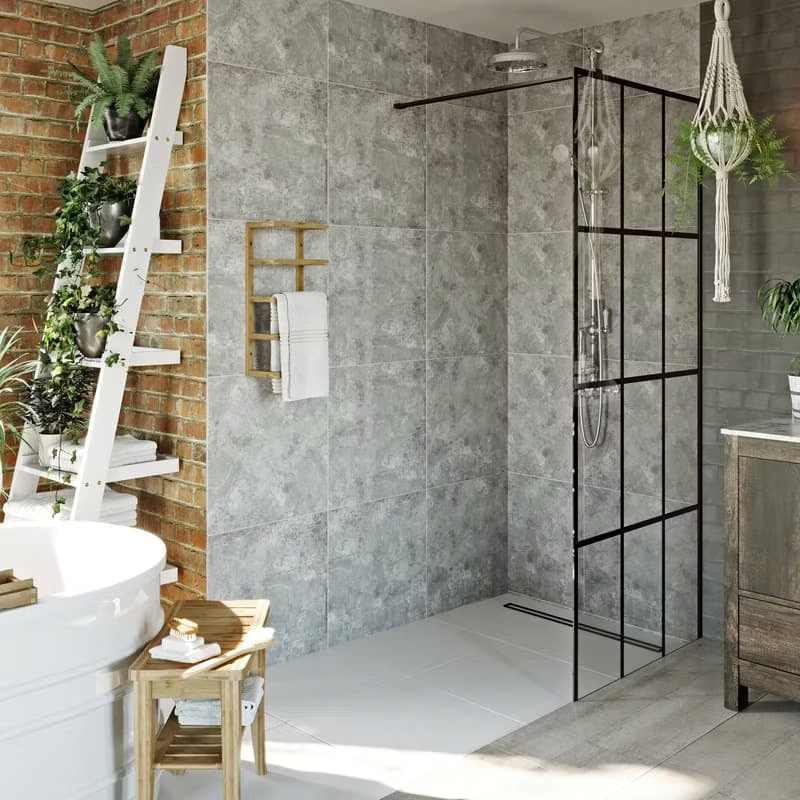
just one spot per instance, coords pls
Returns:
(127, 449)
(208, 712)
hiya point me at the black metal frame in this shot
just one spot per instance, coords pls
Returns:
(620, 532)
(623, 530)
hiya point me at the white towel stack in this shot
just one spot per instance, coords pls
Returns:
(117, 508)
(127, 449)
(208, 712)
(303, 328)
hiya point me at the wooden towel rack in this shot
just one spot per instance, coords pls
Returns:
(299, 263)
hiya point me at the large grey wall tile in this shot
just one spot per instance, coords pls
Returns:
(377, 299)
(270, 164)
(377, 566)
(377, 431)
(661, 49)
(642, 152)
(457, 63)
(295, 41)
(643, 578)
(377, 160)
(467, 169)
(540, 293)
(268, 459)
(539, 185)
(467, 542)
(540, 538)
(540, 416)
(682, 439)
(681, 577)
(285, 562)
(642, 299)
(375, 50)
(682, 311)
(225, 284)
(467, 419)
(467, 278)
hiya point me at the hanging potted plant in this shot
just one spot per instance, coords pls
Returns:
(122, 94)
(779, 302)
(694, 152)
(95, 212)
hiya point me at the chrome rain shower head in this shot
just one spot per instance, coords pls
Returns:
(515, 61)
(519, 60)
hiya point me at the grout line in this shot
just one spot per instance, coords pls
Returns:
(327, 279)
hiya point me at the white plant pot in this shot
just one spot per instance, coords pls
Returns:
(794, 394)
(48, 442)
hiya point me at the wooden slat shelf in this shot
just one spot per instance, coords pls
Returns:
(188, 746)
(299, 263)
(163, 465)
(142, 357)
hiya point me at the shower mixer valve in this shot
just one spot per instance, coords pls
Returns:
(592, 349)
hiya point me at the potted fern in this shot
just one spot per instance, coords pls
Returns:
(122, 94)
(765, 161)
(779, 301)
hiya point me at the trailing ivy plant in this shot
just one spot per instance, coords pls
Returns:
(765, 162)
(63, 251)
(779, 301)
(128, 85)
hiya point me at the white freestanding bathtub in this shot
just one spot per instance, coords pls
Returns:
(66, 711)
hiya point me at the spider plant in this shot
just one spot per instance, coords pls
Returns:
(13, 389)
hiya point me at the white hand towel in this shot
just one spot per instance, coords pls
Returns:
(190, 657)
(274, 348)
(127, 449)
(208, 712)
(303, 326)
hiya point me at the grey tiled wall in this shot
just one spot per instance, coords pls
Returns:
(745, 364)
(386, 501)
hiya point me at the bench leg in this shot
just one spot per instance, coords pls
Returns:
(231, 707)
(259, 723)
(144, 738)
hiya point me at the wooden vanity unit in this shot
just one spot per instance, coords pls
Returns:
(762, 560)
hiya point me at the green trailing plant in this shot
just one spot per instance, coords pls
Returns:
(125, 86)
(779, 301)
(686, 171)
(14, 370)
(63, 251)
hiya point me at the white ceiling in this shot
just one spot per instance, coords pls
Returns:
(499, 19)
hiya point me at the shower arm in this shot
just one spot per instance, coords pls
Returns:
(593, 50)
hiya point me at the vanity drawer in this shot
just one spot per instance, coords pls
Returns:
(769, 634)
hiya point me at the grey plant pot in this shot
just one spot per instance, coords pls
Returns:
(108, 218)
(91, 332)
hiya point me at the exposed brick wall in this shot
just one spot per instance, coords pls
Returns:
(745, 364)
(166, 404)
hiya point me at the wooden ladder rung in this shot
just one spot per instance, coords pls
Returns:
(264, 337)
(288, 262)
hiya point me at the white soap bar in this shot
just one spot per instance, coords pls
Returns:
(176, 645)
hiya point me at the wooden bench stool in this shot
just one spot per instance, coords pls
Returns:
(177, 747)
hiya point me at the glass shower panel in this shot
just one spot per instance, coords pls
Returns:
(681, 312)
(680, 189)
(643, 157)
(642, 300)
(681, 566)
(681, 442)
(598, 642)
(644, 570)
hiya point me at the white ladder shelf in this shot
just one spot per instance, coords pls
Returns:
(140, 243)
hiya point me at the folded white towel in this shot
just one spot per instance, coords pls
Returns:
(200, 653)
(175, 645)
(40, 506)
(303, 326)
(127, 449)
(208, 712)
(274, 348)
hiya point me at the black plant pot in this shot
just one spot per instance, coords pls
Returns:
(118, 128)
(108, 218)
(91, 331)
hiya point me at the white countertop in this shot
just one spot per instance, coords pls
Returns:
(779, 429)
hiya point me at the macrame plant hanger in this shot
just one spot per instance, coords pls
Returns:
(723, 135)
